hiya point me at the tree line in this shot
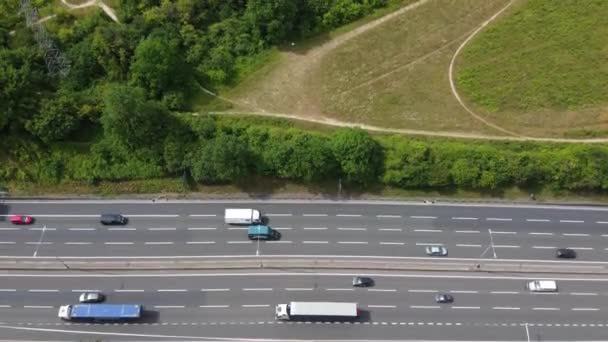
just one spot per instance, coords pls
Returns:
(114, 117)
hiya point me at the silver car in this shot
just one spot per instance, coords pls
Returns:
(436, 251)
(91, 297)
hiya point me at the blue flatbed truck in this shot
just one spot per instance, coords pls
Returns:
(100, 312)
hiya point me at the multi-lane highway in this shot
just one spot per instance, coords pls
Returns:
(189, 229)
(240, 304)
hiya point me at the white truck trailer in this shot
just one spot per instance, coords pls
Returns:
(242, 216)
(316, 310)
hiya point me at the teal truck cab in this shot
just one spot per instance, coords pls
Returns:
(262, 232)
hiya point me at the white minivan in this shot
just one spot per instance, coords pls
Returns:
(542, 286)
(242, 216)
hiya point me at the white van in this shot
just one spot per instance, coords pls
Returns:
(242, 216)
(542, 286)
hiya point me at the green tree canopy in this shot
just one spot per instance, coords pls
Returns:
(222, 159)
(359, 156)
(158, 66)
(132, 119)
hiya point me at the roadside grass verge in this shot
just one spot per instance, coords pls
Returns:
(541, 69)
(263, 188)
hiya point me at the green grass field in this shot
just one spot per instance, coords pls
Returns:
(392, 75)
(542, 69)
(397, 74)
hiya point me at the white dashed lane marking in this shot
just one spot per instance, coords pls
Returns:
(584, 309)
(118, 243)
(169, 306)
(382, 290)
(536, 233)
(299, 289)
(214, 290)
(390, 229)
(498, 219)
(428, 230)
(315, 228)
(77, 243)
(583, 293)
(315, 215)
(353, 229)
(382, 306)
(129, 290)
(464, 291)
(544, 247)
(388, 216)
(504, 308)
(503, 232)
(423, 217)
(203, 228)
(538, 220)
(339, 289)
(255, 305)
(575, 234)
(465, 218)
(424, 306)
(504, 292)
(392, 243)
(506, 246)
(466, 245)
(161, 229)
(158, 243)
(348, 215)
(213, 306)
(171, 290)
(200, 242)
(466, 307)
(258, 289)
(571, 221)
(467, 231)
(315, 242)
(546, 309)
(353, 242)
(42, 290)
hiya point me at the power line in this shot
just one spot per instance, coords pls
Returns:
(56, 62)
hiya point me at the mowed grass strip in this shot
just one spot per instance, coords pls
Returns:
(542, 68)
(396, 75)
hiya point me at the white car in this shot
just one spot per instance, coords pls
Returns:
(91, 297)
(436, 251)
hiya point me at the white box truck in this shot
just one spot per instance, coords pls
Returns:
(542, 286)
(242, 216)
(316, 310)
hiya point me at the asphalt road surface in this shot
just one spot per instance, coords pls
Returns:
(72, 229)
(241, 305)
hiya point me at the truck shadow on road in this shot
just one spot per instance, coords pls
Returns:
(149, 316)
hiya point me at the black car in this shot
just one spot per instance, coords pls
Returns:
(363, 282)
(565, 253)
(444, 298)
(113, 219)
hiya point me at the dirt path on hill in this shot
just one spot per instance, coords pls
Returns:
(107, 9)
(299, 67)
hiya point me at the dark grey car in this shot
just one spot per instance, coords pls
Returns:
(113, 219)
(363, 282)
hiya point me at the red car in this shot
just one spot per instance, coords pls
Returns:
(21, 219)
